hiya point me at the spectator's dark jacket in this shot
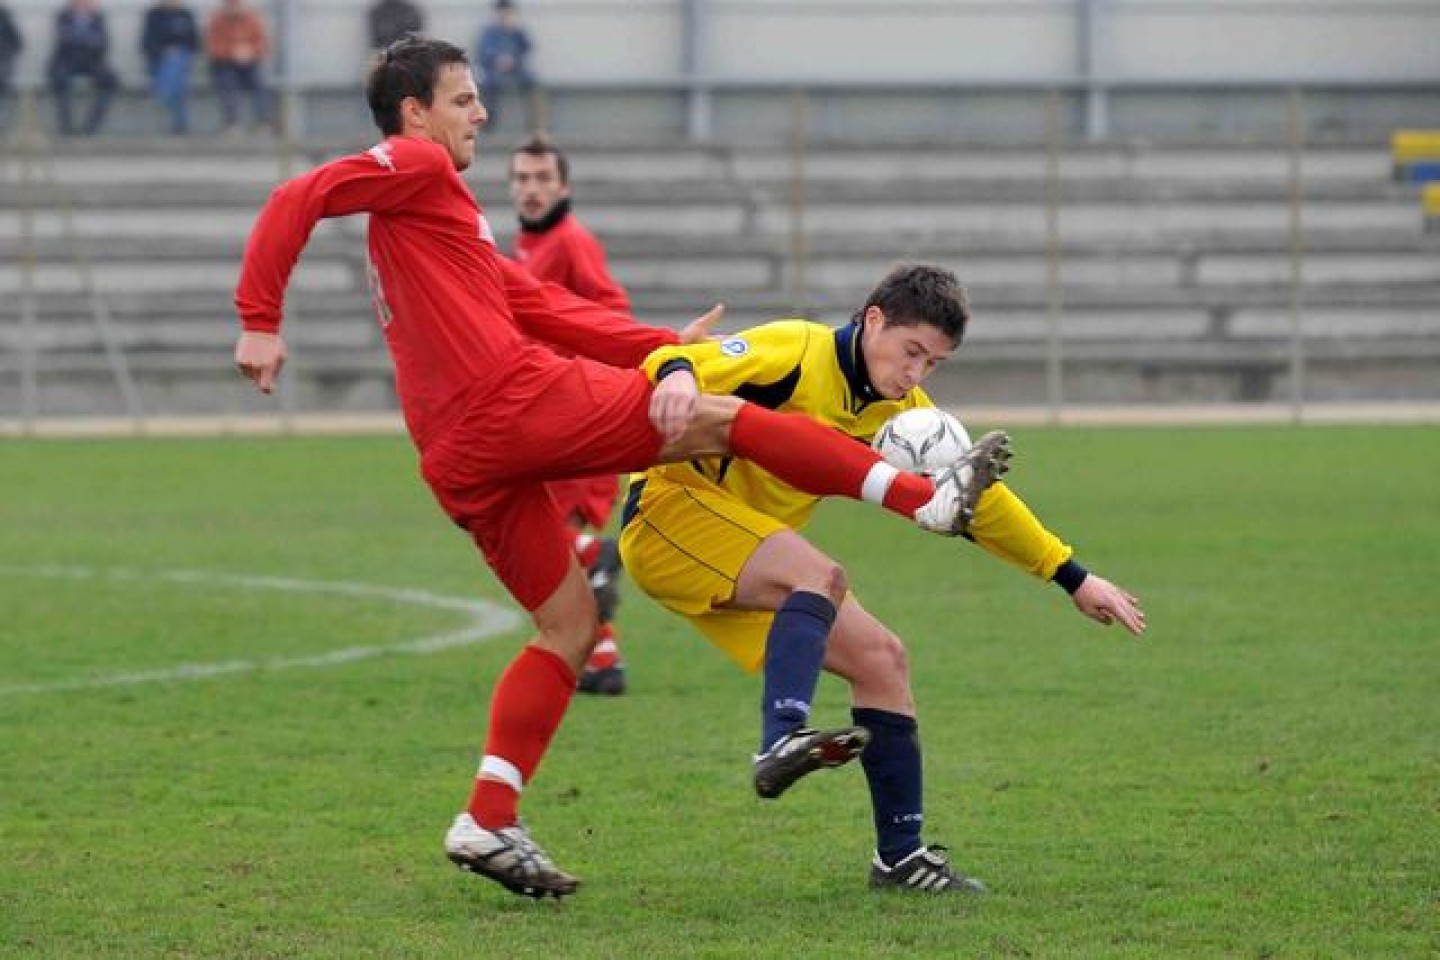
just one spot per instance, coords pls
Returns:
(167, 27)
(81, 43)
(496, 41)
(392, 19)
(11, 43)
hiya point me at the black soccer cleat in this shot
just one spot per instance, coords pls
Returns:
(796, 754)
(927, 870)
(605, 682)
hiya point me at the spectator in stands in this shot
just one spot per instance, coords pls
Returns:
(82, 50)
(169, 42)
(392, 19)
(11, 43)
(504, 50)
(237, 43)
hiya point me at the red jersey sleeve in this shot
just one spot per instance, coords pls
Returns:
(552, 314)
(591, 277)
(379, 180)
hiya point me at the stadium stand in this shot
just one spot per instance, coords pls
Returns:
(1174, 266)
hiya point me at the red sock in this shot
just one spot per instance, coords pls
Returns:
(815, 458)
(587, 548)
(607, 652)
(526, 708)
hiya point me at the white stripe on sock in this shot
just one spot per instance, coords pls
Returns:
(877, 481)
(502, 769)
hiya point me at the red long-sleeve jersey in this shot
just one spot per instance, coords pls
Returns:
(569, 254)
(460, 319)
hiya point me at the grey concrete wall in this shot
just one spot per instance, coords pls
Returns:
(875, 40)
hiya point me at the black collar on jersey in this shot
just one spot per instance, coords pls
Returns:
(544, 224)
(852, 363)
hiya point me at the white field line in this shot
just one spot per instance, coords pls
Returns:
(484, 621)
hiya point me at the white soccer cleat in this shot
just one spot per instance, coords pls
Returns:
(958, 487)
(508, 856)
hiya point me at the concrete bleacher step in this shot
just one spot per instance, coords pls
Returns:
(1171, 261)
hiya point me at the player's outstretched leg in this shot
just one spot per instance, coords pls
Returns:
(508, 856)
(959, 486)
(927, 870)
(804, 751)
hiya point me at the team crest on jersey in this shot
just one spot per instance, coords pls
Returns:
(734, 347)
(485, 232)
(383, 156)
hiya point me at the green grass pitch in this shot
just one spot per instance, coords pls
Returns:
(1259, 776)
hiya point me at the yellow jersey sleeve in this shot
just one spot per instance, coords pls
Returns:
(1006, 527)
(761, 355)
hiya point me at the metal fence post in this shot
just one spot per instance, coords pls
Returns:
(1054, 371)
(1295, 134)
(799, 248)
(28, 139)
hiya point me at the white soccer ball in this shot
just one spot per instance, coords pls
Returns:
(922, 440)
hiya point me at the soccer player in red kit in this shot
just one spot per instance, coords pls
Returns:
(495, 413)
(554, 245)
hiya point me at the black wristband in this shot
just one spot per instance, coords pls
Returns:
(1070, 575)
(672, 365)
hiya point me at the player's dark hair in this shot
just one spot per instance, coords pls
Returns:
(409, 67)
(540, 145)
(913, 294)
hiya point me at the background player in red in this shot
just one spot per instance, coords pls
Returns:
(495, 412)
(554, 245)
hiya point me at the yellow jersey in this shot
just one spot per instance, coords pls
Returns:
(796, 366)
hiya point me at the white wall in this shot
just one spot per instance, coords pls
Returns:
(863, 40)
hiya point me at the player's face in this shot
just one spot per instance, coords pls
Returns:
(899, 356)
(535, 184)
(454, 114)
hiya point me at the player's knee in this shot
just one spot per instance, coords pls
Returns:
(709, 432)
(825, 577)
(837, 584)
(886, 658)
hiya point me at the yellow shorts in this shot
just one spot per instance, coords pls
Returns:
(685, 547)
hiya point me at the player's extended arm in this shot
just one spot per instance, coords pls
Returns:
(550, 313)
(379, 180)
(1006, 527)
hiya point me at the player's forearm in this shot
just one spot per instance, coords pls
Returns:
(276, 241)
(1006, 527)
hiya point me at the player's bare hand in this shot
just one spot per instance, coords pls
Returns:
(698, 330)
(1103, 602)
(259, 357)
(673, 404)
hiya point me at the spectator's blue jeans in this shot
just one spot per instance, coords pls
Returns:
(171, 85)
(231, 79)
(496, 85)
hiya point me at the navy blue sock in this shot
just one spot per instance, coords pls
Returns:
(794, 654)
(893, 771)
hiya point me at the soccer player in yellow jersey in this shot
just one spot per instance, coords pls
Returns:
(716, 541)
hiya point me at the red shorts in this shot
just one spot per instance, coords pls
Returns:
(591, 499)
(549, 422)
